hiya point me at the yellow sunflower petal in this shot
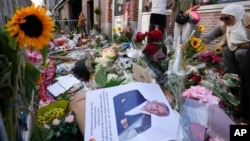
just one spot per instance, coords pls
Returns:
(196, 42)
(36, 36)
(218, 49)
(201, 28)
(202, 48)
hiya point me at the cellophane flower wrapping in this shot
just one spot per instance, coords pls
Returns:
(194, 120)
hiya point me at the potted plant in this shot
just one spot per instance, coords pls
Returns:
(97, 11)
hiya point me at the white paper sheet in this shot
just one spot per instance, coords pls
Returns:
(63, 84)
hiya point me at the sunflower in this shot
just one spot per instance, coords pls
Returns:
(201, 28)
(119, 29)
(31, 27)
(195, 42)
(218, 49)
(113, 29)
(202, 48)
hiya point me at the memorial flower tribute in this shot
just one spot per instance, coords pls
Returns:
(28, 29)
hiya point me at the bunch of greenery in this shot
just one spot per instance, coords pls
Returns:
(120, 35)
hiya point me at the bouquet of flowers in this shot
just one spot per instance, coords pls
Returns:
(210, 58)
(192, 48)
(63, 129)
(120, 35)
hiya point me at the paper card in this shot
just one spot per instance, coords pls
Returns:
(109, 114)
(141, 75)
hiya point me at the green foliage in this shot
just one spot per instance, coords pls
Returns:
(66, 130)
(40, 133)
(122, 36)
(5, 69)
(30, 76)
(44, 54)
(101, 78)
(103, 82)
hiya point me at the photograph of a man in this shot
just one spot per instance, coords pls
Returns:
(134, 113)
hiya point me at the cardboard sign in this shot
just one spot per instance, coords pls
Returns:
(140, 74)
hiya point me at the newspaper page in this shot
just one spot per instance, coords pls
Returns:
(132, 112)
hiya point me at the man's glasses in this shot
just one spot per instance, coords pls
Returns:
(226, 18)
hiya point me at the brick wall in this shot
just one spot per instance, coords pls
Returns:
(134, 10)
(209, 20)
(108, 12)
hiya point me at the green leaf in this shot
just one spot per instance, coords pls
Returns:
(74, 130)
(40, 133)
(31, 74)
(114, 82)
(44, 54)
(13, 43)
(101, 78)
(5, 69)
(50, 135)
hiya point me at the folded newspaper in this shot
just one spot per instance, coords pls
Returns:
(132, 112)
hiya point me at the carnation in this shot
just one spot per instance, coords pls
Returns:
(200, 93)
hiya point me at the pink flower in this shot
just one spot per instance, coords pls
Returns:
(46, 126)
(56, 122)
(200, 93)
(69, 119)
(34, 57)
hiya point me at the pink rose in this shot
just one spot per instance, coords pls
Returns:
(56, 122)
(46, 126)
(69, 119)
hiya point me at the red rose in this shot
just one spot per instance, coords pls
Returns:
(222, 104)
(196, 78)
(140, 36)
(151, 48)
(155, 35)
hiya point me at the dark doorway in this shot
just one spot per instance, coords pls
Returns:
(75, 9)
(90, 14)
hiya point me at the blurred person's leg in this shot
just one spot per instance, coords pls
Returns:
(245, 87)
(240, 55)
(231, 64)
(185, 32)
(177, 33)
